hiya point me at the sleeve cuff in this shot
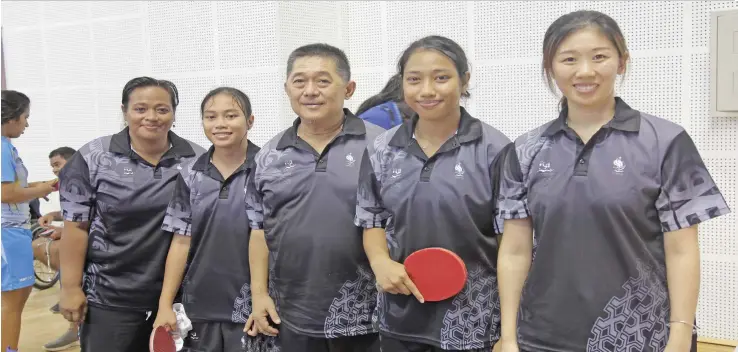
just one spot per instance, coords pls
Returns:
(80, 215)
(256, 225)
(694, 219)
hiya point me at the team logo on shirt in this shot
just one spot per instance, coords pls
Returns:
(618, 165)
(544, 167)
(458, 170)
(396, 173)
(288, 164)
(127, 171)
(350, 160)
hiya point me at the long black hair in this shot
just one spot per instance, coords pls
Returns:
(392, 91)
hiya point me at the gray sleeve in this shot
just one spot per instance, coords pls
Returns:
(688, 193)
(76, 193)
(370, 210)
(254, 205)
(178, 218)
(513, 192)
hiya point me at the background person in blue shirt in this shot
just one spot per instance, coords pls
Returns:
(17, 253)
(386, 109)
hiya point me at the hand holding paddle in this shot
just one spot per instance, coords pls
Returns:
(161, 341)
(392, 277)
(165, 317)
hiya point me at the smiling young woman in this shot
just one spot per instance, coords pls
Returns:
(613, 196)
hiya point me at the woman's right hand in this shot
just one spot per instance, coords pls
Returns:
(167, 318)
(73, 304)
(44, 189)
(392, 277)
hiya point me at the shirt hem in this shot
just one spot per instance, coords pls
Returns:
(321, 334)
(120, 308)
(77, 219)
(427, 341)
(527, 348)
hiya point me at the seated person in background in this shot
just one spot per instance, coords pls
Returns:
(46, 249)
(386, 109)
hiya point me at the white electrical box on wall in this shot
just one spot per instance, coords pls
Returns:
(724, 63)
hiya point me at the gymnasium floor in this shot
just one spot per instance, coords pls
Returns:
(41, 326)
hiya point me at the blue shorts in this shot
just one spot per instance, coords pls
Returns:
(17, 259)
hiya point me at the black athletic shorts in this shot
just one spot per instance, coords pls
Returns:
(225, 337)
(110, 330)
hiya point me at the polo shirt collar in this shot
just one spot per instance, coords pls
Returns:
(203, 162)
(120, 143)
(469, 129)
(626, 119)
(352, 125)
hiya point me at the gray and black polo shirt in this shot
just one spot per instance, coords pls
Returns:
(447, 200)
(305, 202)
(209, 208)
(600, 212)
(124, 198)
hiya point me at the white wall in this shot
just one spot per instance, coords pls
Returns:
(73, 58)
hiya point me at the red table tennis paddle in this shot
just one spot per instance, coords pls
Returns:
(161, 341)
(438, 273)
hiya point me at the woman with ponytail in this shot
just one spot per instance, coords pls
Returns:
(388, 108)
(208, 256)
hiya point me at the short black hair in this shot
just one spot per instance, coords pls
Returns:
(242, 100)
(14, 105)
(64, 152)
(140, 82)
(322, 50)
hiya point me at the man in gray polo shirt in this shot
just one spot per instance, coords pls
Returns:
(301, 206)
(601, 213)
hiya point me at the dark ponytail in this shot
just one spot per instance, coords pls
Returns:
(241, 99)
(14, 105)
(392, 91)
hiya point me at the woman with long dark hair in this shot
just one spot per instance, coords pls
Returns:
(387, 109)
